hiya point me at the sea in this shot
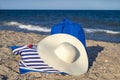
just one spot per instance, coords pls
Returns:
(99, 25)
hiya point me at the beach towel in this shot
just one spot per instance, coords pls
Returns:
(71, 28)
(31, 61)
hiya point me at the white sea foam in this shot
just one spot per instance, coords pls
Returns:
(89, 30)
(28, 27)
(45, 29)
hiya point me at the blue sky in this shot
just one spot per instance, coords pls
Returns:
(61, 4)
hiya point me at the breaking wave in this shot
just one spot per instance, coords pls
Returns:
(89, 30)
(45, 29)
(28, 27)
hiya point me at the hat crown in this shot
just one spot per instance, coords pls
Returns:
(67, 52)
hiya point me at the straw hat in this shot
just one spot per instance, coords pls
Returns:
(65, 53)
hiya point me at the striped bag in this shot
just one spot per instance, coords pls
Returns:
(31, 61)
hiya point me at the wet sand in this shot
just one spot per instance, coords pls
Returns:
(104, 59)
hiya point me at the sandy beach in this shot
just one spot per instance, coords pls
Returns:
(104, 59)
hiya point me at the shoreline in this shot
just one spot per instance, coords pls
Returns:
(104, 61)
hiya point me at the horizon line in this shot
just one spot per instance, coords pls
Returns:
(66, 9)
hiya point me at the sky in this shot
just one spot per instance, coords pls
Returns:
(61, 4)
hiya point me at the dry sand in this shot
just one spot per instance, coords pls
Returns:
(104, 59)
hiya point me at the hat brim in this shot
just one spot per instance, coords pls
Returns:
(46, 49)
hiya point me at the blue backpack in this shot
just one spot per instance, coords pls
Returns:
(70, 28)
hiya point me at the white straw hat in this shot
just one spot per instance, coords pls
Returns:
(65, 53)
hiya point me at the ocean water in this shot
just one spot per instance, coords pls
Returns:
(100, 25)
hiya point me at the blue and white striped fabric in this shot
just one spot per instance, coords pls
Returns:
(31, 61)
